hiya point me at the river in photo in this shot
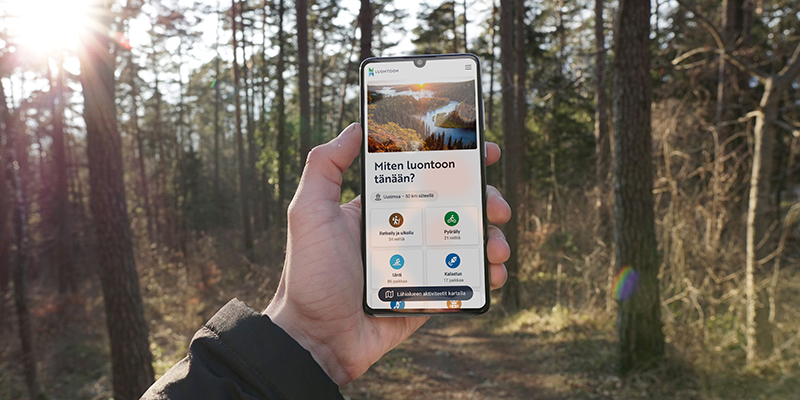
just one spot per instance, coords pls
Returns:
(466, 134)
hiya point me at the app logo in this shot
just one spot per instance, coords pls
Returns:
(451, 218)
(396, 220)
(397, 261)
(452, 260)
(372, 72)
(398, 305)
(453, 303)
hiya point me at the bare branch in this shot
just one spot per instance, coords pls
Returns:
(691, 65)
(710, 27)
(690, 53)
(755, 72)
(745, 118)
(792, 216)
(795, 130)
(792, 68)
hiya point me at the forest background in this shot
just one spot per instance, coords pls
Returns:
(150, 149)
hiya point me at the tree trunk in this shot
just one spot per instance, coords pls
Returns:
(217, 100)
(143, 181)
(511, 162)
(5, 230)
(729, 79)
(317, 93)
(160, 198)
(11, 171)
(365, 21)
(562, 38)
(455, 27)
(132, 369)
(252, 158)
(183, 136)
(725, 72)
(464, 47)
(602, 144)
(301, 8)
(266, 195)
(493, 37)
(280, 111)
(347, 64)
(6, 206)
(760, 242)
(162, 206)
(243, 181)
(641, 340)
(67, 271)
(515, 151)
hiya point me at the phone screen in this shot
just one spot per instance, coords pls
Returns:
(423, 185)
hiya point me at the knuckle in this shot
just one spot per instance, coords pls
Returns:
(496, 232)
(315, 154)
(292, 211)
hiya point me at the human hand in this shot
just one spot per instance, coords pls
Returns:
(319, 298)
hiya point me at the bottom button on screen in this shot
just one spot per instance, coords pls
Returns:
(425, 293)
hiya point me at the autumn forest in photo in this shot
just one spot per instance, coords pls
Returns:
(421, 117)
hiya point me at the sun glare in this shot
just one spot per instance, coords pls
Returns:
(45, 26)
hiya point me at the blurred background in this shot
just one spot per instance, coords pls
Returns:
(149, 149)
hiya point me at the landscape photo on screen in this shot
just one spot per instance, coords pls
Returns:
(422, 117)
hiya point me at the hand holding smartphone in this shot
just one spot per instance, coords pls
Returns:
(423, 186)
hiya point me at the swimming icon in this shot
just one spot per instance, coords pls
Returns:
(397, 261)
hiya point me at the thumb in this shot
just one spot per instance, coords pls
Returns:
(322, 175)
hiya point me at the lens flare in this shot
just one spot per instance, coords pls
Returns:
(625, 283)
(45, 26)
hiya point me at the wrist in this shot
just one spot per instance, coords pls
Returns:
(281, 315)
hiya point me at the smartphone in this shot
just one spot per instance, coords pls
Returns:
(423, 186)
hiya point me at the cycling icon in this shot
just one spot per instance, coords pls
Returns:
(451, 218)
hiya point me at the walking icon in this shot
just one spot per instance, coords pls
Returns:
(398, 305)
(396, 220)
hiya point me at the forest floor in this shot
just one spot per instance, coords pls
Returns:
(542, 352)
(547, 354)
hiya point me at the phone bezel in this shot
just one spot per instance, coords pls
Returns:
(376, 312)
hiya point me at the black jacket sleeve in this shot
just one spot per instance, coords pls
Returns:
(241, 354)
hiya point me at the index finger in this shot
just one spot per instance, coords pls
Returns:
(492, 153)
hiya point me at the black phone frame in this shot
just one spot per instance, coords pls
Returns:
(379, 312)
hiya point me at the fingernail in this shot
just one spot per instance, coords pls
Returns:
(349, 128)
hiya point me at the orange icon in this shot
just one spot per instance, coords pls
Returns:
(453, 303)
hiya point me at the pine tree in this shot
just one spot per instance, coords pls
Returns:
(641, 340)
(131, 360)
